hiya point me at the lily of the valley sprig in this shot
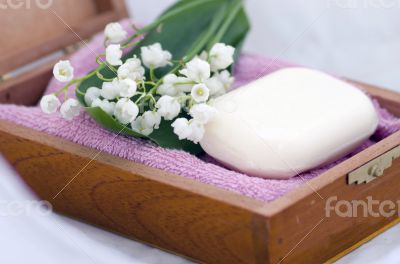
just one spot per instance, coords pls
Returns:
(159, 83)
(189, 86)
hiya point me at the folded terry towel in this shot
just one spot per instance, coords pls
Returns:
(83, 130)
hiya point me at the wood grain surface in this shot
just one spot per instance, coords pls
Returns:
(48, 33)
(304, 232)
(52, 28)
(169, 211)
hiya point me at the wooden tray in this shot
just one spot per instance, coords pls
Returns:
(184, 216)
(41, 32)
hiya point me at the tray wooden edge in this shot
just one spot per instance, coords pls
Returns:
(153, 174)
(108, 11)
(168, 208)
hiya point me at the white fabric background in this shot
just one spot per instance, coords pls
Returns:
(354, 38)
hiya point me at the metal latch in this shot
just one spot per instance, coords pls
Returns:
(373, 169)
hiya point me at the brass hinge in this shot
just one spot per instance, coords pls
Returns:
(373, 169)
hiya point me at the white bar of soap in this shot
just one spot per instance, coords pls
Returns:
(288, 122)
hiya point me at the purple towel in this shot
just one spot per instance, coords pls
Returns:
(83, 130)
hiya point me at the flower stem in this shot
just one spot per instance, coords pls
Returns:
(184, 83)
(205, 37)
(152, 75)
(150, 83)
(99, 60)
(79, 80)
(200, 43)
(143, 95)
(80, 92)
(154, 89)
(129, 45)
(232, 13)
(167, 15)
(101, 77)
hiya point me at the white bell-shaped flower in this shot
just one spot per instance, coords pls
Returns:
(49, 103)
(226, 79)
(131, 69)
(63, 71)
(197, 70)
(151, 119)
(221, 56)
(220, 83)
(202, 113)
(70, 109)
(184, 84)
(110, 90)
(188, 129)
(168, 107)
(114, 54)
(168, 86)
(181, 128)
(126, 111)
(127, 88)
(115, 33)
(139, 126)
(91, 94)
(197, 131)
(215, 86)
(200, 93)
(174, 85)
(146, 123)
(154, 56)
(105, 105)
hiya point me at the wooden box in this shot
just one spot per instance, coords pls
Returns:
(187, 217)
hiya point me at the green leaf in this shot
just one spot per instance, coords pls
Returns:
(187, 24)
(163, 137)
(110, 123)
